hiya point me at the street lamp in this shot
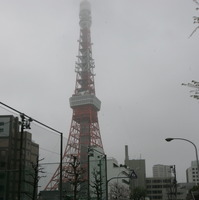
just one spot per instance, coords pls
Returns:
(196, 151)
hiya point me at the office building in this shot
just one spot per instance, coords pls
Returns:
(11, 162)
(161, 171)
(160, 188)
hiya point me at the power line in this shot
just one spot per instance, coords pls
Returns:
(32, 118)
(49, 150)
(54, 163)
(44, 128)
(3, 107)
(36, 124)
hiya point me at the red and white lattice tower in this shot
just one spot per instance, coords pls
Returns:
(84, 130)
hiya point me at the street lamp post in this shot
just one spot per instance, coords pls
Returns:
(196, 151)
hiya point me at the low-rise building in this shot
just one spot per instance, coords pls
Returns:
(117, 179)
(163, 188)
(160, 188)
(139, 167)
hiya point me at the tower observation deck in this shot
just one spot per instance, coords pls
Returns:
(84, 130)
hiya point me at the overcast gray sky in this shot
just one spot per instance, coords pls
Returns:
(142, 53)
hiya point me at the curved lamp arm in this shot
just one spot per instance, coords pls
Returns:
(196, 151)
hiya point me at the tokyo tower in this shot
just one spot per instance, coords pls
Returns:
(84, 130)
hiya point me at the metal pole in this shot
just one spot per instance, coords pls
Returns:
(175, 182)
(100, 171)
(20, 156)
(90, 149)
(106, 177)
(60, 180)
(88, 174)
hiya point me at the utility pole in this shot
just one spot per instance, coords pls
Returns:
(26, 124)
(174, 182)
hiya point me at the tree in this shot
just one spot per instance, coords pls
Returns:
(96, 183)
(32, 178)
(195, 86)
(75, 176)
(195, 18)
(138, 193)
(171, 189)
(119, 191)
(193, 193)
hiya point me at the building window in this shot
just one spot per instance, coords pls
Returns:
(1, 130)
(2, 175)
(2, 153)
(1, 188)
(2, 164)
(1, 123)
(156, 181)
(156, 186)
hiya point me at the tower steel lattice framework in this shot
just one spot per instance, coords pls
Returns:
(84, 130)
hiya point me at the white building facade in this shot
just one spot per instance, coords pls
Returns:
(192, 173)
(162, 171)
(117, 180)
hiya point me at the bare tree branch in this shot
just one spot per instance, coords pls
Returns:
(195, 19)
(75, 172)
